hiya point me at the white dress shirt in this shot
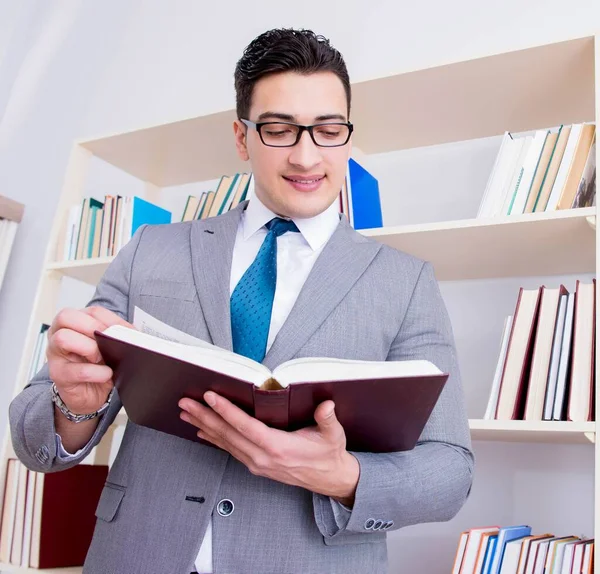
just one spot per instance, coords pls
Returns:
(296, 255)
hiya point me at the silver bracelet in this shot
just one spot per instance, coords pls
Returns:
(75, 418)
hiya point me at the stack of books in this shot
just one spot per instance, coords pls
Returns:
(8, 231)
(547, 170)
(358, 199)
(230, 191)
(100, 228)
(515, 550)
(38, 530)
(545, 368)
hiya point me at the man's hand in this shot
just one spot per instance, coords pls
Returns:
(314, 458)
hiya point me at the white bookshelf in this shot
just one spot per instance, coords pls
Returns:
(522, 90)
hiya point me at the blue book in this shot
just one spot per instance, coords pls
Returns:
(505, 535)
(364, 197)
(490, 551)
(146, 212)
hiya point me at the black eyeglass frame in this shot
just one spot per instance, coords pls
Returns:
(259, 125)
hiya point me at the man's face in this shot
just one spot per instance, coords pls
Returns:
(303, 180)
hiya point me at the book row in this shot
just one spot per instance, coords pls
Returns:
(542, 171)
(100, 228)
(545, 368)
(36, 530)
(515, 550)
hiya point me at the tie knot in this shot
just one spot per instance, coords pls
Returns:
(280, 226)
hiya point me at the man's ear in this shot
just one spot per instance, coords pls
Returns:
(240, 131)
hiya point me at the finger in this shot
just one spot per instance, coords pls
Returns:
(213, 424)
(78, 373)
(76, 320)
(249, 427)
(109, 318)
(327, 422)
(231, 449)
(71, 344)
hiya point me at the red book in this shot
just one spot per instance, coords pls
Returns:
(383, 406)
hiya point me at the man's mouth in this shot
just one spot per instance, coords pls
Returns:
(305, 183)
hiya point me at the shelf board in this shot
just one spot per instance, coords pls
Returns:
(557, 242)
(86, 270)
(533, 431)
(452, 102)
(20, 570)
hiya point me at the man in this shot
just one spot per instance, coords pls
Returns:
(266, 501)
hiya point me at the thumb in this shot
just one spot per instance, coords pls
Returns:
(326, 419)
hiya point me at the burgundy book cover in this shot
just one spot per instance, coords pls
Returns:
(519, 404)
(69, 514)
(378, 415)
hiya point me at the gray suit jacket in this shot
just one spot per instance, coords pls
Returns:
(362, 300)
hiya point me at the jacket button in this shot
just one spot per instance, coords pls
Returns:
(225, 507)
(378, 525)
(369, 524)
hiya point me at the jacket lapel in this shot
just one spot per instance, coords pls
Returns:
(211, 244)
(341, 263)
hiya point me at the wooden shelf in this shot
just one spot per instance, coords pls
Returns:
(557, 242)
(533, 431)
(452, 102)
(86, 270)
(18, 570)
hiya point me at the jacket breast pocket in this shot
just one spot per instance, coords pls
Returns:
(110, 500)
(168, 289)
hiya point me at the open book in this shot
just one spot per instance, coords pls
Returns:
(382, 405)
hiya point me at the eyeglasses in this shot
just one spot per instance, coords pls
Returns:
(285, 134)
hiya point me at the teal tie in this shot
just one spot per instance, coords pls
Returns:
(252, 298)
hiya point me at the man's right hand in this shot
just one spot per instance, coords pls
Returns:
(74, 361)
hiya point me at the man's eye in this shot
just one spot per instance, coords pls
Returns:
(273, 133)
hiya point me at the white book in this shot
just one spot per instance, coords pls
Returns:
(490, 412)
(565, 166)
(530, 165)
(510, 560)
(29, 505)
(555, 358)
(516, 174)
(563, 365)
(502, 155)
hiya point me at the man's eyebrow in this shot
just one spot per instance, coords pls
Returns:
(291, 118)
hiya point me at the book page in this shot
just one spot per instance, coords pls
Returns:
(152, 334)
(315, 369)
(146, 323)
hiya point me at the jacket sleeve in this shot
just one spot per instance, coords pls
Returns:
(431, 482)
(31, 412)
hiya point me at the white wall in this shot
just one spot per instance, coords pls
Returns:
(71, 69)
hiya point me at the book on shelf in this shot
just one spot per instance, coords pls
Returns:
(97, 228)
(39, 351)
(383, 406)
(229, 192)
(37, 529)
(8, 232)
(545, 367)
(516, 550)
(546, 170)
(358, 199)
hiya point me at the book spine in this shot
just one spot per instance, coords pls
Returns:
(272, 407)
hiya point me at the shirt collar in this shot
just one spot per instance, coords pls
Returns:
(315, 230)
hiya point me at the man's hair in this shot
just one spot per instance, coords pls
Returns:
(285, 50)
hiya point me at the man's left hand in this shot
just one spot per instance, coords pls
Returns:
(314, 458)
